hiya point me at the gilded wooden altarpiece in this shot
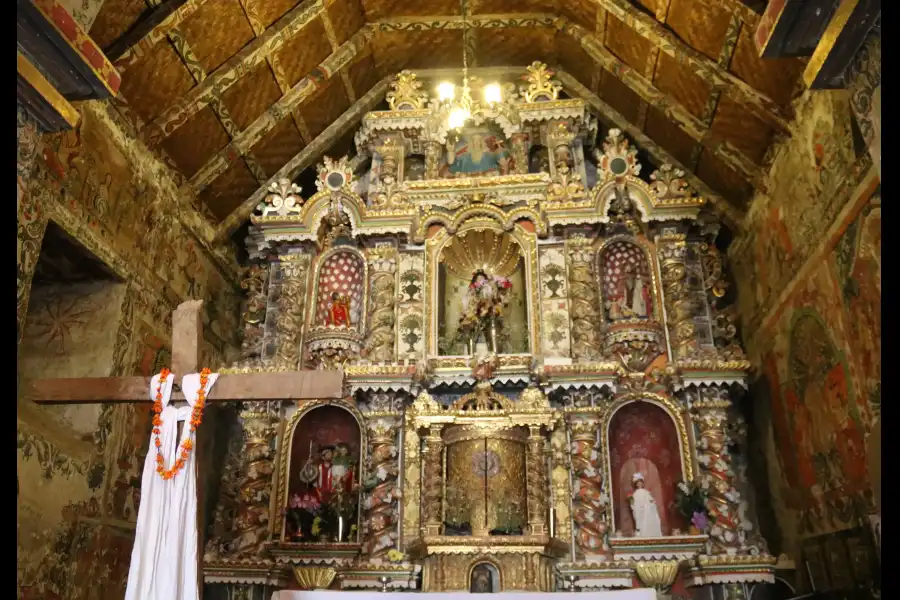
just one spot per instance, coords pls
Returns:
(628, 359)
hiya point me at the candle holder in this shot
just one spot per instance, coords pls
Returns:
(572, 579)
(384, 580)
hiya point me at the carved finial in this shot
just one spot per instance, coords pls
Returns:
(334, 174)
(618, 159)
(668, 182)
(283, 199)
(406, 92)
(541, 85)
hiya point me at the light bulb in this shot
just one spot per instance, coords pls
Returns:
(446, 91)
(458, 117)
(492, 94)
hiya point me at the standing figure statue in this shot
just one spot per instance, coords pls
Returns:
(338, 311)
(644, 511)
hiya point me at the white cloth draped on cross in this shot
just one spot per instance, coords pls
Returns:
(164, 558)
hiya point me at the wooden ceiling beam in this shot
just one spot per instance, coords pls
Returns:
(668, 105)
(614, 118)
(147, 22)
(140, 47)
(649, 28)
(234, 68)
(267, 121)
(308, 155)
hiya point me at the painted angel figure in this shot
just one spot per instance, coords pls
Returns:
(644, 510)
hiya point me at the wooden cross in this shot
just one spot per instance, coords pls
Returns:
(187, 332)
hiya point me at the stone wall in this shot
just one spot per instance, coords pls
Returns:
(79, 468)
(808, 267)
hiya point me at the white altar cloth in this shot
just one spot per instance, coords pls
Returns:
(633, 594)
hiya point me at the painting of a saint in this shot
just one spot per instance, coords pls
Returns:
(626, 282)
(478, 154)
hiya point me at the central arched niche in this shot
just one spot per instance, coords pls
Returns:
(462, 256)
(643, 438)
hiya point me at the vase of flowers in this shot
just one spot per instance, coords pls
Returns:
(690, 499)
(303, 512)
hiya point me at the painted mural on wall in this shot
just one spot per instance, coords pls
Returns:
(80, 478)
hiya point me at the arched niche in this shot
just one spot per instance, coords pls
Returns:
(644, 436)
(484, 577)
(321, 471)
(459, 261)
(340, 289)
(626, 278)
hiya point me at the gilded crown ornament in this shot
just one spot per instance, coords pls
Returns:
(407, 93)
(540, 85)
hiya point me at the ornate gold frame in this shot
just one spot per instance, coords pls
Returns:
(314, 299)
(527, 242)
(284, 460)
(677, 414)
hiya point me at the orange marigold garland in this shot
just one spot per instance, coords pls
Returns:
(196, 417)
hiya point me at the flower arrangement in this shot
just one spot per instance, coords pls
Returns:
(304, 514)
(395, 556)
(690, 499)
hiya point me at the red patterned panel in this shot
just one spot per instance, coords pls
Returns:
(643, 437)
(343, 273)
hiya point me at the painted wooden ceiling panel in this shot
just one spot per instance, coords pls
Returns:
(304, 52)
(701, 23)
(266, 12)
(251, 95)
(668, 135)
(195, 142)
(396, 50)
(363, 73)
(156, 81)
(724, 180)
(776, 77)
(384, 9)
(115, 18)
(325, 106)
(346, 18)
(278, 146)
(677, 80)
(228, 191)
(216, 31)
(625, 43)
(575, 60)
(513, 46)
(620, 96)
(744, 131)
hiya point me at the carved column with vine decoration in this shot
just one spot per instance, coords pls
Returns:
(432, 484)
(588, 504)
(716, 472)
(382, 500)
(561, 491)
(254, 315)
(260, 423)
(519, 145)
(432, 160)
(536, 483)
(383, 293)
(679, 311)
(583, 299)
(291, 305)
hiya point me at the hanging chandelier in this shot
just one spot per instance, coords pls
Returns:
(460, 110)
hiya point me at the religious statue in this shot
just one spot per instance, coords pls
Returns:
(338, 311)
(332, 501)
(482, 307)
(481, 580)
(478, 154)
(632, 298)
(342, 468)
(643, 508)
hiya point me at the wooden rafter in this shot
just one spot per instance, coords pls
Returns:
(148, 21)
(267, 121)
(134, 53)
(616, 119)
(306, 157)
(758, 103)
(234, 68)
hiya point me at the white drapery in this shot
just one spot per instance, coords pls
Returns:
(164, 558)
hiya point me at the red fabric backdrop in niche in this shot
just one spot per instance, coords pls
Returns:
(643, 437)
(342, 272)
(325, 426)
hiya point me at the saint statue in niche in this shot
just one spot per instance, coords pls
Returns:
(632, 298)
(338, 311)
(481, 580)
(482, 307)
(643, 509)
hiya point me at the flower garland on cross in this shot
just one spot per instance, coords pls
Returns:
(196, 417)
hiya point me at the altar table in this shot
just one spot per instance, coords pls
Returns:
(633, 594)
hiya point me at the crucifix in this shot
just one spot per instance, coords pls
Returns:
(187, 332)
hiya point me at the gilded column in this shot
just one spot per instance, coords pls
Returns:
(382, 502)
(259, 421)
(561, 491)
(389, 177)
(679, 311)
(291, 305)
(519, 146)
(536, 482)
(412, 479)
(583, 299)
(716, 472)
(432, 160)
(253, 318)
(382, 296)
(432, 481)
(589, 504)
